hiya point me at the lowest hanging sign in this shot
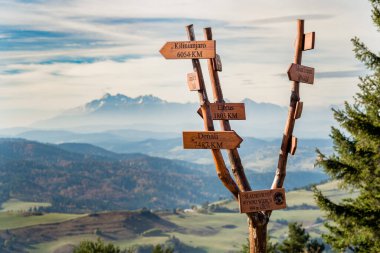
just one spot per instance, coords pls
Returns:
(255, 201)
(189, 49)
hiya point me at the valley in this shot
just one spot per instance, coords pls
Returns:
(203, 230)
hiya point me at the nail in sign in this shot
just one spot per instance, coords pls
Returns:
(189, 49)
(211, 140)
(193, 81)
(299, 73)
(226, 111)
(255, 201)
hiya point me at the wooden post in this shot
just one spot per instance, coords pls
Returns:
(257, 222)
(279, 178)
(233, 154)
(221, 169)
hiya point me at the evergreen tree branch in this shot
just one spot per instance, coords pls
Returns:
(362, 53)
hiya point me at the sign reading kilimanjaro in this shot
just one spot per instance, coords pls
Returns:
(189, 49)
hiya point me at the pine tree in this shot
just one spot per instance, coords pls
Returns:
(296, 241)
(356, 161)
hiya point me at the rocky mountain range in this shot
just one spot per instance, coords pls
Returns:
(149, 113)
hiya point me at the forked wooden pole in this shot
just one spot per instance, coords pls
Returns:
(289, 126)
(233, 154)
(221, 169)
(253, 203)
(257, 222)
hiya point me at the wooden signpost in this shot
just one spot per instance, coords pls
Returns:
(226, 111)
(257, 205)
(255, 201)
(211, 140)
(189, 49)
(301, 73)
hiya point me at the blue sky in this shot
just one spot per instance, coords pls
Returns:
(55, 55)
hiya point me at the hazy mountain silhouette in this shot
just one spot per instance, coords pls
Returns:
(149, 113)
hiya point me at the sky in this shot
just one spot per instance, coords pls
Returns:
(59, 54)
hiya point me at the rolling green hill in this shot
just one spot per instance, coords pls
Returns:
(83, 178)
(212, 232)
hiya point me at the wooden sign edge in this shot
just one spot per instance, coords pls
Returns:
(293, 145)
(312, 41)
(198, 86)
(298, 110)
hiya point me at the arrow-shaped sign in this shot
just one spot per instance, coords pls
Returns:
(226, 111)
(211, 140)
(189, 49)
(299, 73)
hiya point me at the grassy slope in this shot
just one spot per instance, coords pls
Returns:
(9, 220)
(11, 215)
(206, 230)
(18, 205)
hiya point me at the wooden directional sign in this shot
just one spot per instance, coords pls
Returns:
(308, 41)
(298, 112)
(218, 63)
(226, 111)
(189, 49)
(255, 201)
(211, 140)
(193, 81)
(299, 73)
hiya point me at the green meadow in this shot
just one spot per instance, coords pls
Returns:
(214, 232)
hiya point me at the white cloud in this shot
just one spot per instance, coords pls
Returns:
(254, 38)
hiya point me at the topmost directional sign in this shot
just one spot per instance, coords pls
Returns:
(189, 49)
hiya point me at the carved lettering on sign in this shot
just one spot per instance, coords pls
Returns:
(299, 73)
(211, 140)
(189, 49)
(255, 201)
(226, 111)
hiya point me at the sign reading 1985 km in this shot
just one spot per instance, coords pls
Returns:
(254, 201)
(211, 140)
(189, 49)
(226, 111)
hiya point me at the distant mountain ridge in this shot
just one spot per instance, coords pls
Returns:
(84, 178)
(150, 113)
(257, 154)
(117, 102)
